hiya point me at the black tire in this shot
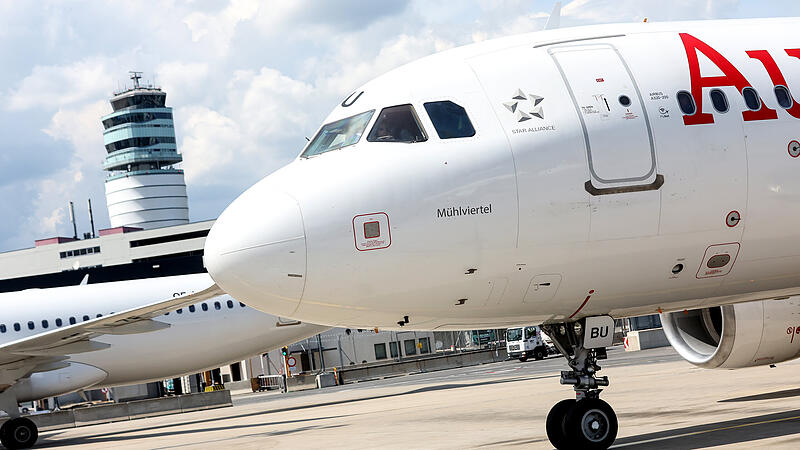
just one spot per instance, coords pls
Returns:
(591, 424)
(19, 433)
(539, 353)
(555, 422)
(523, 358)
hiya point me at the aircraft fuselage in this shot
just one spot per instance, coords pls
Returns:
(589, 186)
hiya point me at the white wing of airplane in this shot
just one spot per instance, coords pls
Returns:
(47, 351)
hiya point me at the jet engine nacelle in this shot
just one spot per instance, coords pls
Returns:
(734, 336)
(69, 378)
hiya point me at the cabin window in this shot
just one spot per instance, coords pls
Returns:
(230, 304)
(72, 321)
(530, 332)
(99, 316)
(179, 310)
(719, 100)
(16, 326)
(217, 306)
(45, 324)
(410, 347)
(204, 306)
(191, 308)
(336, 135)
(31, 325)
(425, 345)
(85, 318)
(784, 97)
(397, 124)
(2, 328)
(686, 103)
(751, 99)
(380, 351)
(449, 119)
(59, 322)
(242, 304)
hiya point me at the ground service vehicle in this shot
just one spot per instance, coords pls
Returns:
(525, 342)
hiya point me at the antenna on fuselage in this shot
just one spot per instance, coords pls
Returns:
(554, 21)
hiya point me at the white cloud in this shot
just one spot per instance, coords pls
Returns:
(607, 11)
(218, 29)
(48, 225)
(183, 80)
(209, 143)
(354, 69)
(269, 103)
(50, 87)
(83, 129)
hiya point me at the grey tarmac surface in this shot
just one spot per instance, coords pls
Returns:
(661, 402)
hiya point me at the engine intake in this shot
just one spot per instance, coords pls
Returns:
(734, 336)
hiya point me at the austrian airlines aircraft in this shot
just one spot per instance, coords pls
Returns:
(50, 338)
(563, 177)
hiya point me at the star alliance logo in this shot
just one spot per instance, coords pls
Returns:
(530, 103)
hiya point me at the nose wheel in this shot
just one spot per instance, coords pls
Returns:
(585, 422)
(582, 424)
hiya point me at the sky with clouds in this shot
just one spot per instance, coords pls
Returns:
(247, 79)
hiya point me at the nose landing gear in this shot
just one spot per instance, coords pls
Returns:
(585, 422)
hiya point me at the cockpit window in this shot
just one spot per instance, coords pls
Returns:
(336, 135)
(397, 124)
(450, 120)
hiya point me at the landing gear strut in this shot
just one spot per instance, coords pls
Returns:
(16, 432)
(585, 422)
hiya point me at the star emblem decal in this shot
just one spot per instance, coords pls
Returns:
(525, 107)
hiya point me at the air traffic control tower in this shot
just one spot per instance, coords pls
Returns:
(143, 187)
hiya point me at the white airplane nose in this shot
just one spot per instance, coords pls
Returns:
(256, 250)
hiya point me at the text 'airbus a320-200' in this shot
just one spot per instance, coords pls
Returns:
(564, 177)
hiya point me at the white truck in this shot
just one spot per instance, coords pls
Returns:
(525, 342)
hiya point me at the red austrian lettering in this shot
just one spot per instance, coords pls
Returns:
(795, 52)
(731, 77)
(775, 73)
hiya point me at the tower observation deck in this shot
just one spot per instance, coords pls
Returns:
(143, 187)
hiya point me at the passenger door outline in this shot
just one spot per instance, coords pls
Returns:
(605, 186)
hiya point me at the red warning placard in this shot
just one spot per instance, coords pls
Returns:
(371, 231)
